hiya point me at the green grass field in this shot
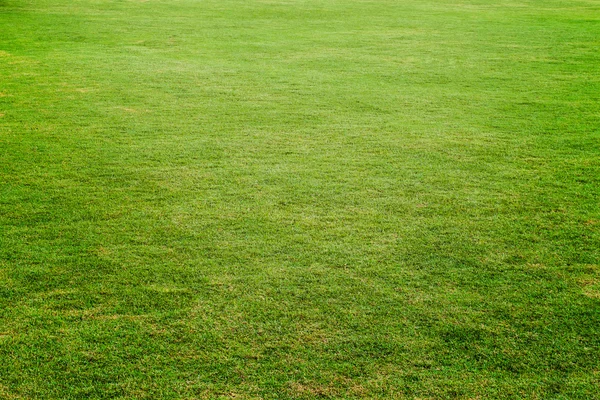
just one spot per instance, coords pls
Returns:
(300, 199)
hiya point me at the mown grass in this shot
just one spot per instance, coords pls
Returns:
(299, 199)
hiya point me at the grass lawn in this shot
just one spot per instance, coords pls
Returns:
(299, 199)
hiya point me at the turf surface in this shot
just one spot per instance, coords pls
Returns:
(299, 199)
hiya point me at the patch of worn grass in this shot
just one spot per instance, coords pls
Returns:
(299, 199)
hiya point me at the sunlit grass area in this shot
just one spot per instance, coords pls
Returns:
(205, 199)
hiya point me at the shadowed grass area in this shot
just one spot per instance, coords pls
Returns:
(299, 199)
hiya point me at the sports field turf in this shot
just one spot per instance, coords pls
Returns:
(259, 199)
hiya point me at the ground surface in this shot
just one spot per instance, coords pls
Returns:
(299, 199)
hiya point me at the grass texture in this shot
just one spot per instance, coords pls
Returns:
(260, 199)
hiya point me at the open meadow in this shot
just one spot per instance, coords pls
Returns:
(299, 199)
